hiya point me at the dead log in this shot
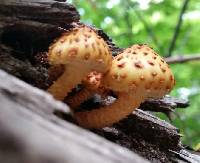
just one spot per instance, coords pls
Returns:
(165, 105)
(51, 12)
(23, 69)
(30, 132)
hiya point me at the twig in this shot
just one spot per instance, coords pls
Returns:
(182, 58)
(177, 29)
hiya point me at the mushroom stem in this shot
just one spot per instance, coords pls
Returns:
(67, 81)
(92, 85)
(80, 97)
(106, 116)
(83, 95)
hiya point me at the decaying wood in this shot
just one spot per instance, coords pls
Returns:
(145, 135)
(11, 62)
(30, 132)
(165, 105)
(46, 11)
(25, 34)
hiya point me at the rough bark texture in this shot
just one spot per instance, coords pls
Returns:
(45, 11)
(26, 30)
(31, 133)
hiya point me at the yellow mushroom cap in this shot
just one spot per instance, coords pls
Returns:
(81, 46)
(139, 69)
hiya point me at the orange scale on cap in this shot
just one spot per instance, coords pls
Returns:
(129, 51)
(154, 57)
(134, 52)
(163, 70)
(154, 74)
(151, 63)
(73, 52)
(138, 64)
(121, 65)
(162, 61)
(123, 76)
(161, 80)
(119, 58)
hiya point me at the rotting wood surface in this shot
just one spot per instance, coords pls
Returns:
(31, 133)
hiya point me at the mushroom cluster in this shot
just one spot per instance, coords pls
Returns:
(134, 75)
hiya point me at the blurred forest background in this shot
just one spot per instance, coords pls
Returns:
(171, 27)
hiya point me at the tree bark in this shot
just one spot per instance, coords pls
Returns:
(30, 132)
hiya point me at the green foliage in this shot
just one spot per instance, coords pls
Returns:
(129, 22)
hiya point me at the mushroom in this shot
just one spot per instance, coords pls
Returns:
(136, 74)
(80, 51)
(92, 85)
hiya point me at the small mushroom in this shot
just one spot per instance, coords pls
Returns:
(92, 85)
(93, 80)
(136, 74)
(81, 51)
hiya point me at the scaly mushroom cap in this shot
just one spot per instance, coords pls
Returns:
(92, 85)
(92, 80)
(140, 69)
(81, 46)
